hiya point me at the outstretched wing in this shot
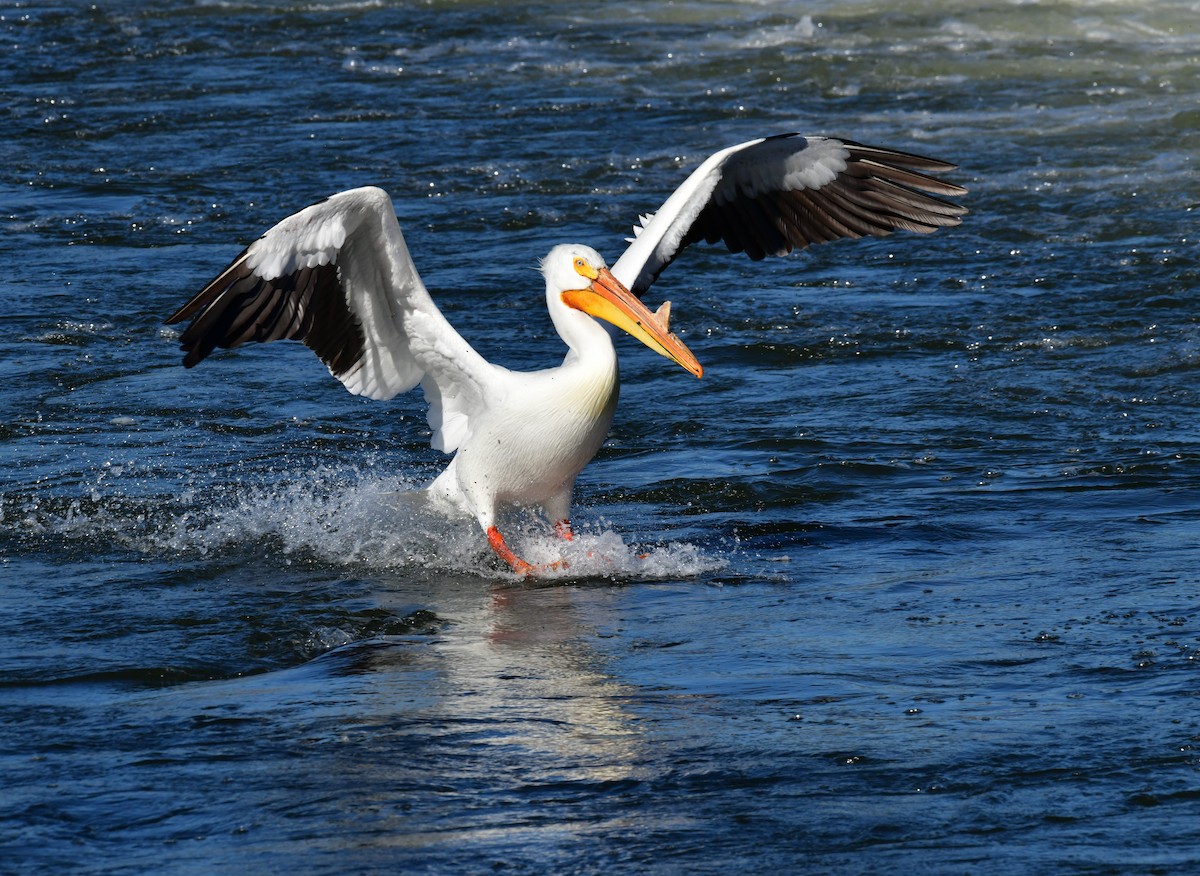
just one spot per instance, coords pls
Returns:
(770, 196)
(338, 276)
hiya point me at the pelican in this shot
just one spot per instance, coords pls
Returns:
(338, 276)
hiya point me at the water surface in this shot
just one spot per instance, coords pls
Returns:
(907, 580)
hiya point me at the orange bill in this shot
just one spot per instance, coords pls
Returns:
(607, 299)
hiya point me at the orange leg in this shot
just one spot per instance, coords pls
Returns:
(504, 552)
(496, 540)
(563, 528)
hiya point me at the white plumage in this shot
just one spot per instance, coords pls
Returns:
(338, 276)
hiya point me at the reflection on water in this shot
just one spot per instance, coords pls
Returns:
(484, 728)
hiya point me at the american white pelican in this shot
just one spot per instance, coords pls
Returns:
(338, 276)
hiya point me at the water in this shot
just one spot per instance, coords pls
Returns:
(908, 580)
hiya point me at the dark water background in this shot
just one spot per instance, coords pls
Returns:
(921, 586)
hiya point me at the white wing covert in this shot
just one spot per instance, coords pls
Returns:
(338, 276)
(772, 195)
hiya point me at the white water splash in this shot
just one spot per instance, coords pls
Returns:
(337, 516)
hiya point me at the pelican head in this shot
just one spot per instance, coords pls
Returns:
(578, 277)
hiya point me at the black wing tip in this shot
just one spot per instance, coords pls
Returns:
(192, 305)
(209, 293)
(897, 156)
(909, 173)
(240, 306)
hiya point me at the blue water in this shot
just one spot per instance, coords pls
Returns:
(908, 580)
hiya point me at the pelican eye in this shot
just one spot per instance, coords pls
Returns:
(583, 269)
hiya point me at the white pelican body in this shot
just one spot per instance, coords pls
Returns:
(538, 429)
(557, 418)
(338, 276)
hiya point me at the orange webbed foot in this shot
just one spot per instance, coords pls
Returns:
(518, 565)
